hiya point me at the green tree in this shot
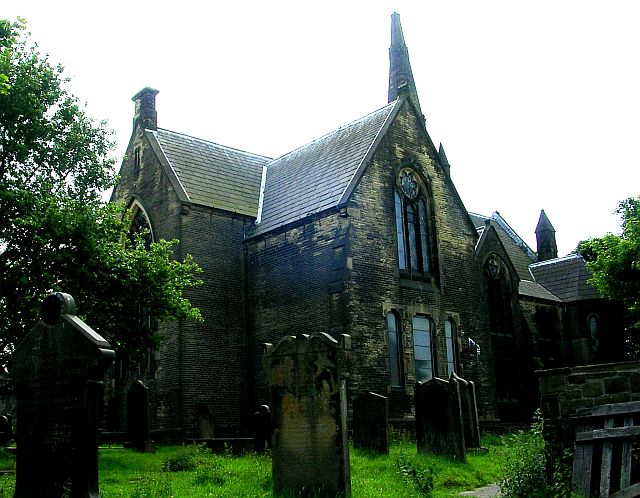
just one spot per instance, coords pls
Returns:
(55, 232)
(614, 261)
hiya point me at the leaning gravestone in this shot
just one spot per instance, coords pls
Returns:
(57, 370)
(371, 423)
(439, 428)
(310, 454)
(138, 432)
(469, 412)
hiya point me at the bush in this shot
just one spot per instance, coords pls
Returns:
(416, 475)
(187, 458)
(524, 468)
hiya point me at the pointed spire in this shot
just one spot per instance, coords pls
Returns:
(546, 238)
(400, 75)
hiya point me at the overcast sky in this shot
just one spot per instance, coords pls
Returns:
(536, 103)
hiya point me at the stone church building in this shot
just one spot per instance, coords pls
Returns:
(359, 232)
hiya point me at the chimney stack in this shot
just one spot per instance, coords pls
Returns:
(145, 114)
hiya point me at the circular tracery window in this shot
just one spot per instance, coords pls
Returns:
(408, 184)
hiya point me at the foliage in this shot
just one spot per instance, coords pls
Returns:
(55, 233)
(416, 475)
(614, 261)
(188, 457)
(524, 466)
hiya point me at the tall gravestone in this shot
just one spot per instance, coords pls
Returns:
(371, 423)
(469, 412)
(57, 370)
(310, 453)
(138, 430)
(439, 427)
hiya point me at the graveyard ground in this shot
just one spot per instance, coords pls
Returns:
(193, 472)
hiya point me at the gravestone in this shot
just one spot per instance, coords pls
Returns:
(205, 422)
(371, 423)
(57, 370)
(469, 412)
(6, 429)
(439, 428)
(310, 454)
(262, 429)
(138, 432)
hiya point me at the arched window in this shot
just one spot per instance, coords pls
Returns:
(414, 232)
(140, 224)
(422, 348)
(395, 350)
(451, 341)
(497, 289)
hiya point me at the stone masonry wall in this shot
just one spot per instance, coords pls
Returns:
(152, 189)
(198, 362)
(376, 287)
(291, 277)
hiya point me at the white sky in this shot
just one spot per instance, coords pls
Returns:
(536, 103)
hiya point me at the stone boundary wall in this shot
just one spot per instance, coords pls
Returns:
(565, 391)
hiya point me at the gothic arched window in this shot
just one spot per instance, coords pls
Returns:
(140, 224)
(414, 226)
(497, 289)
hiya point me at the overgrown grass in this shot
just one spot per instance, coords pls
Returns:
(193, 471)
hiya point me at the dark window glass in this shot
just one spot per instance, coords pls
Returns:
(424, 236)
(402, 257)
(450, 339)
(411, 231)
(422, 349)
(395, 368)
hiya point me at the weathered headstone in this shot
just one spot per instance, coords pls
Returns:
(439, 428)
(371, 423)
(138, 432)
(262, 429)
(205, 422)
(469, 412)
(6, 429)
(310, 453)
(57, 371)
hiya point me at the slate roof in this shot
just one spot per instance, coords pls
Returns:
(565, 277)
(210, 174)
(520, 254)
(534, 289)
(319, 175)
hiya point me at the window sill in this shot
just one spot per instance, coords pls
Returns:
(424, 283)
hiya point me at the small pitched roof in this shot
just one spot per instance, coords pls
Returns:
(565, 277)
(520, 254)
(209, 174)
(534, 289)
(320, 175)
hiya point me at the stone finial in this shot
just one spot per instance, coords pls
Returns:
(145, 114)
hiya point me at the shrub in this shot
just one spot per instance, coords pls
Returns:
(524, 468)
(186, 458)
(416, 475)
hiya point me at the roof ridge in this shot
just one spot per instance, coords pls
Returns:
(557, 260)
(497, 217)
(332, 132)
(215, 143)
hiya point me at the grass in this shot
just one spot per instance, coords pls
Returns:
(125, 473)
